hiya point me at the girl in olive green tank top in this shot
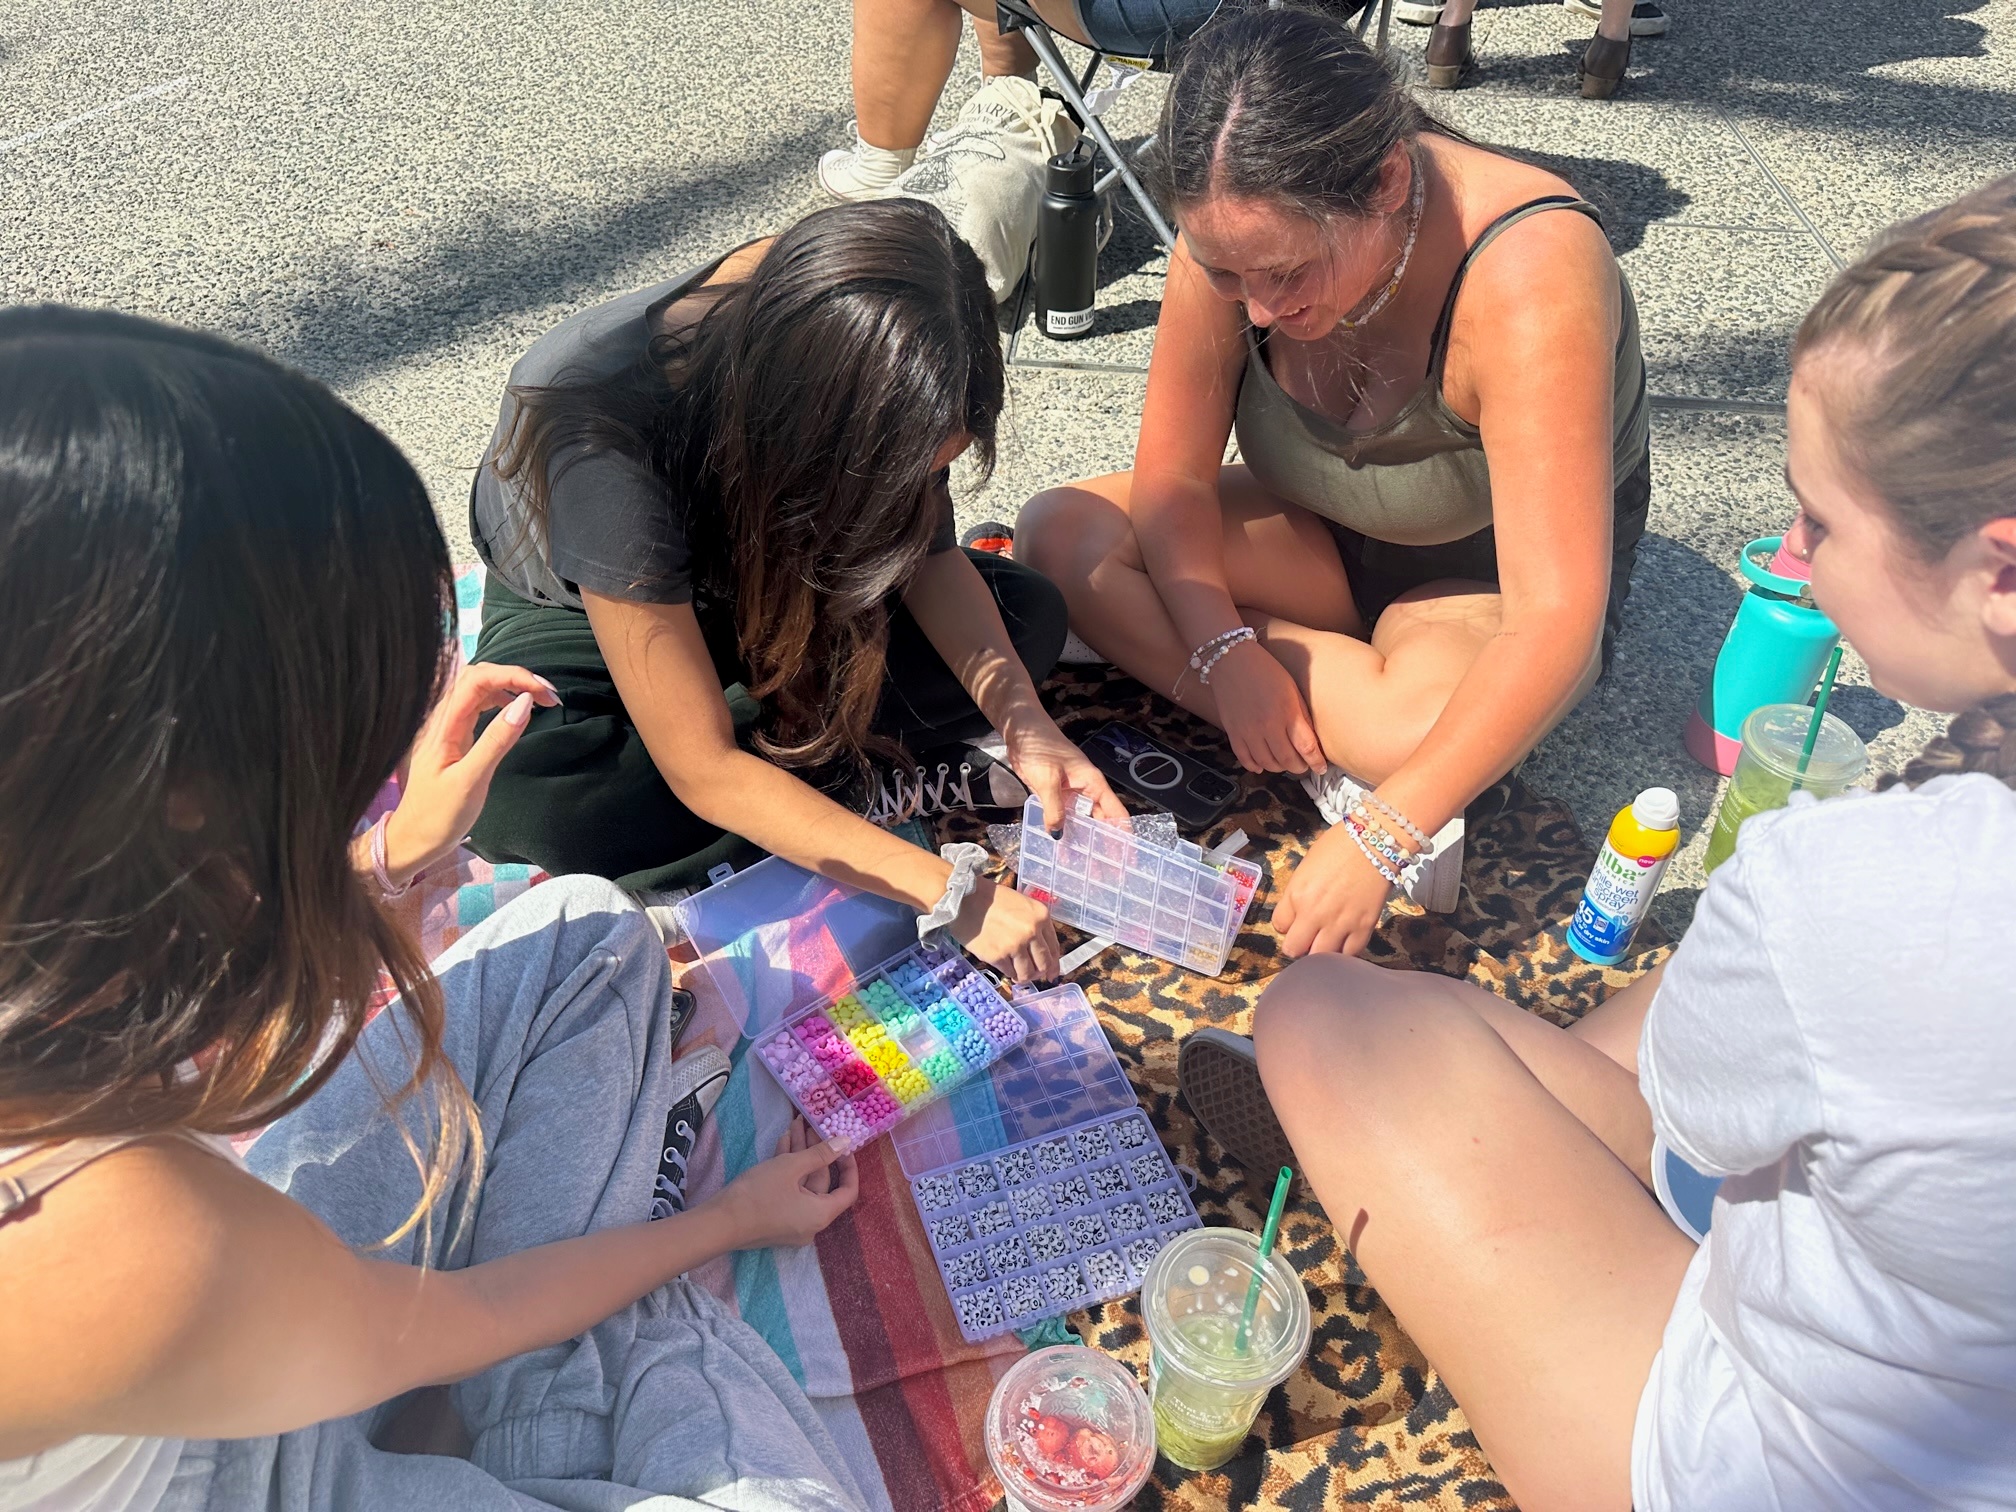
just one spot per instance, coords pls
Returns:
(1419, 565)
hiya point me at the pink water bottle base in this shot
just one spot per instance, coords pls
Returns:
(1710, 746)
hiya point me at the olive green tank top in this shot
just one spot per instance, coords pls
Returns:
(1421, 478)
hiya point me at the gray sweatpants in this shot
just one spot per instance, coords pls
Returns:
(559, 1012)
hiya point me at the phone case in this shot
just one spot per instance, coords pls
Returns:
(1196, 794)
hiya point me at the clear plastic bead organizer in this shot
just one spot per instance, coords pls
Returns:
(1172, 901)
(1042, 1186)
(902, 1036)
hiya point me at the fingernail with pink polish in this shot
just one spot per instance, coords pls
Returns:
(518, 710)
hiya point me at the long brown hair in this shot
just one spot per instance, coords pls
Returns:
(223, 609)
(796, 426)
(1930, 425)
(1283, 103)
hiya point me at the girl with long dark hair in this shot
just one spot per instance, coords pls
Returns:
(224, 606)
(1430, 361)
(716, 517)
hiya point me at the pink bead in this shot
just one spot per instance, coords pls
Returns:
(821, 1099)
(832, 1053)
(879, 1109)
(854, 1077)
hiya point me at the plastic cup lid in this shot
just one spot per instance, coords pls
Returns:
(1775, 734)
(1070, 1430)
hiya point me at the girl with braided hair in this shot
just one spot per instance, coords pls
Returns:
(1835, 1037)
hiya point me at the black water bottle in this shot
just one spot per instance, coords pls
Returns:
(1067, 246)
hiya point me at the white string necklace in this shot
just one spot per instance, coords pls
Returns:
(1354, 322)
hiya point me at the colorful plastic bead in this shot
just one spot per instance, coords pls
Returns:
(910, 1086)
(942, 1067)
(821, 1099)
(853, 1077)
(880, 1109)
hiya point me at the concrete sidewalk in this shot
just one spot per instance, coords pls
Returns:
(400, 197)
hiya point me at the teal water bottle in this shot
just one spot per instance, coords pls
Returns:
(1774, 653)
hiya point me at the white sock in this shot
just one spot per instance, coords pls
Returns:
(879, 167)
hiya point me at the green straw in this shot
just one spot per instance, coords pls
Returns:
(1819, 713)
(1267, 1233)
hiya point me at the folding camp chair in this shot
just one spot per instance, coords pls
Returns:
(1020, 16)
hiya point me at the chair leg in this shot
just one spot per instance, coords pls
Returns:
(1046, 49)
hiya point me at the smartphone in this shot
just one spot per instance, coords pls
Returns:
(1196, 794)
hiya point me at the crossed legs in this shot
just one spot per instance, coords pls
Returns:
(1486, 1170)
(1372, 696)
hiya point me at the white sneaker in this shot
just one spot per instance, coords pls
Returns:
(1647, 19)
(862, 172)
(1434, 879)
(1417, 12)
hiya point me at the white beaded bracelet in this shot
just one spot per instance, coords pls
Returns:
(1208, 655)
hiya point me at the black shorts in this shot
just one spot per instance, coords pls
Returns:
(1379, 571)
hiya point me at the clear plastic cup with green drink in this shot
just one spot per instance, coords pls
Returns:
(1205, 1390)
(1768, 769)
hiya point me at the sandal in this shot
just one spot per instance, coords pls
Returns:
(1220, 1081)
(1602, 67)
(1448, 57)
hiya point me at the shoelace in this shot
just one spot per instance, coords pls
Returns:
(899, 797)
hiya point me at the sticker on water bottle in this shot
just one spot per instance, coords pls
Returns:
(1066, 322)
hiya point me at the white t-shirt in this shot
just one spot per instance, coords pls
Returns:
(1837, 1036)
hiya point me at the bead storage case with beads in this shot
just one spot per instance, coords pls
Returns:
(1042, 1186)
(1174, 902)
(904, 1035)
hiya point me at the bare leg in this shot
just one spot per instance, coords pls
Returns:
(1372, 699)
(1535, 1273)
(1616, 21)
(1615, 1025)
(903, 54)
(1003, 54)
(1456, 12)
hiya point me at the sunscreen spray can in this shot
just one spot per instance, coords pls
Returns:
(1642, 840)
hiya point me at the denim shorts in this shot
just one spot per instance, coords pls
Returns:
(1142, 28)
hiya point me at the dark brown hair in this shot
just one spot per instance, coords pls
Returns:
(1283, 103)
(223, 610)
(797, 424)
(1930, 421)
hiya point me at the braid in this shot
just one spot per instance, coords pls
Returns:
(1933, 427)
(1983, 739)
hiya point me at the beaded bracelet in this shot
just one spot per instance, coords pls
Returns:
(1379, 863)
(1412, 831)
(1207, 656)
(1371, 833)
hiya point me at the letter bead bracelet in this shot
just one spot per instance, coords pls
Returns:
(1208, 655)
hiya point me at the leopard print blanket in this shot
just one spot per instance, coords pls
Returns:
(1368, 1423)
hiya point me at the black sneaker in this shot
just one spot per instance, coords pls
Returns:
(952, 779)
(992, 537)
(698, 1080)
(1219, 1079)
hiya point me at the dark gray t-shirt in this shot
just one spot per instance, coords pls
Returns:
(612, 524)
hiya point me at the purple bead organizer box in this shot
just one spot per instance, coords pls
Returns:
(1042, 1185)
(903, 1036)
